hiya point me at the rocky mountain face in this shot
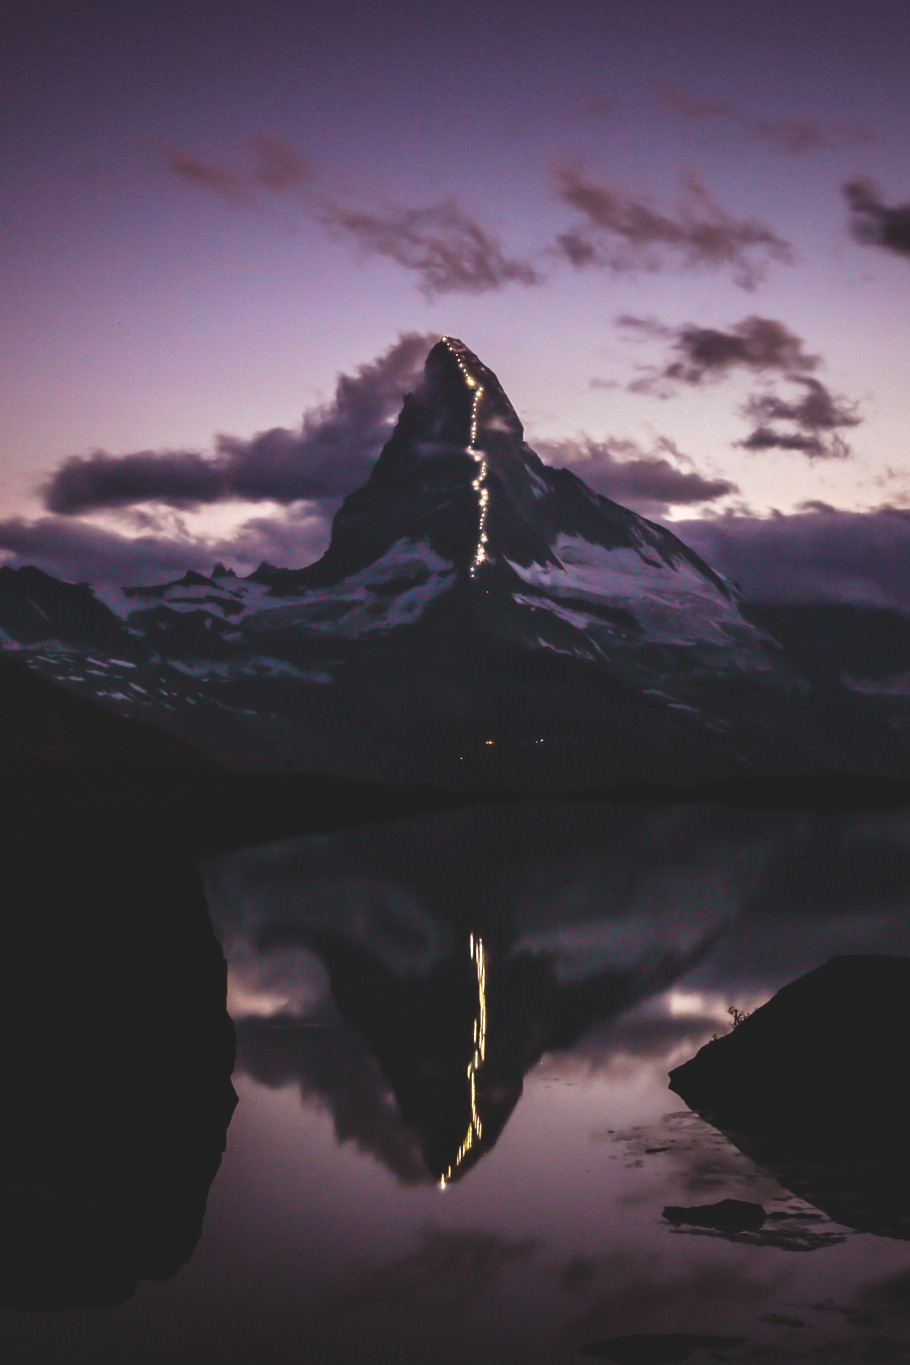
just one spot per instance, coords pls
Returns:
(479, 617)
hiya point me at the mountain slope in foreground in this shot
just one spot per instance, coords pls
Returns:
(479, 617)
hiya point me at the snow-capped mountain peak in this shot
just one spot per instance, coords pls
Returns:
(478, 614)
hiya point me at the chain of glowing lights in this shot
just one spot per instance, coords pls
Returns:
(479, 483)
(475, 1127)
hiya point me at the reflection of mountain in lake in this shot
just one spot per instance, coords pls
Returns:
(571, 936)
(812, 1087)
(117, 1054)
(357, 944)
(453, 1042)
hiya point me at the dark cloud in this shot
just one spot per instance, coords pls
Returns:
(783, 134)
(873, 221)
(622, 233)
(757, 345)
(579, 250)
(766, 438)
(333, 1067)
(818, 554)
(332, 451)
(208, 175)
(296, 536)
(697, 354)
(85, 552)
(446, 248)
(82, 551)
(648, 481)
(84, 483)
(276, 167)
(817, 419)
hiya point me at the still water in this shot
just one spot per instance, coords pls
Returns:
(454, 1138)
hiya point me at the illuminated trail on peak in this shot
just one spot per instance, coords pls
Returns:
(475, 1128)
(479, 483)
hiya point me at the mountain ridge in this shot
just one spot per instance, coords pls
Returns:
(479, 619)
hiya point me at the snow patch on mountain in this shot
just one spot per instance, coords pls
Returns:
(395, 590)
(673, 605)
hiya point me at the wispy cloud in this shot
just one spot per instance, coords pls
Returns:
(275, 166)
(447, 249)
(874, 222)
(330, 453)
(788, 135)
(813, 421)
(816, 421)
(624, 233)
(650, 481)
(699, 354)
(219, 180)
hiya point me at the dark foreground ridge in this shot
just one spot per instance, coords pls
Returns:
(810, 1086)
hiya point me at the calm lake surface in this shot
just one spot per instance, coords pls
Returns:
(454, 1138)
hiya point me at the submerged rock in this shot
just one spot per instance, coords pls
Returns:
(727, 1215)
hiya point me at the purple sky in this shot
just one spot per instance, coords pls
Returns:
(679, 233)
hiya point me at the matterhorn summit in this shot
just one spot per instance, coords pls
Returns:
(458, 506)
(479, 618)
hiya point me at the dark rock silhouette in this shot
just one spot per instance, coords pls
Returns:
(810, 1086)
(117, 1054)
(727, 1215)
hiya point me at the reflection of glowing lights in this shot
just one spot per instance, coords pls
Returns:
(475, 1127)
(479, 483)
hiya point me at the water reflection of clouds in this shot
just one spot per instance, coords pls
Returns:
(291, 981)
(590, 883)
(333, 1068)
(631, 1290)
(619, 939)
